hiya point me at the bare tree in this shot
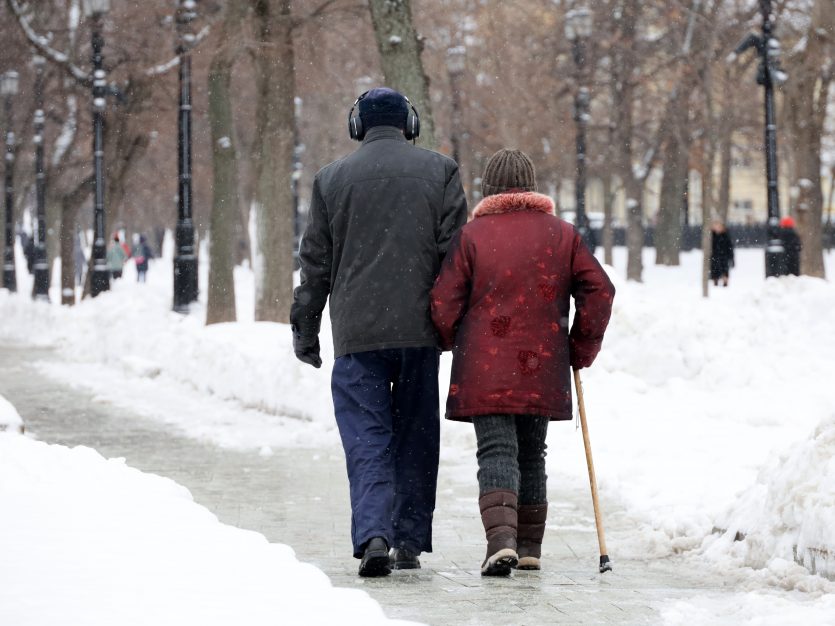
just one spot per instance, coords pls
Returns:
(632, 169)
(811, 68)
(275, 92)
(400, 53)
(225, 212)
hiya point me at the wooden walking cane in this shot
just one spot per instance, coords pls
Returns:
(605, 563)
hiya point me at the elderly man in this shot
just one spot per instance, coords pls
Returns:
(380, 223)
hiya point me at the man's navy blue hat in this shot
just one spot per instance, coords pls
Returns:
(383, 107)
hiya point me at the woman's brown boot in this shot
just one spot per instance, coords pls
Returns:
(498, 514)
(531, 530)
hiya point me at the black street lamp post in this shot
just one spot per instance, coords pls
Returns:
(185, 261)
(8, 89)
(578, 26)
(40, 288)
(769, 74)
(100, 280)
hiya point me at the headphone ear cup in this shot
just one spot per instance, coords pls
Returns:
(355, 128)
(412, 126)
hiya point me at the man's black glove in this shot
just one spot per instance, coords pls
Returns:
(306, 348)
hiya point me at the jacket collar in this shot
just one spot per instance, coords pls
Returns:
(383, 132)
(514, 202)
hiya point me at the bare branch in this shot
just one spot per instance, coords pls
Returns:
(163, 68)
(41, 44)
(322, 9)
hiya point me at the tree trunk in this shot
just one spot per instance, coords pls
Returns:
(400, 50)
(53, 227)
(67, 239)
(709, 157)
(70, 204)
(677, 142)
(725, 164)
(225, 214)
(275, 91)
(623, 101)
(806, 97)
(634, 231)
(727, 124)
(809, 206)
(608, 233)
(673, 188)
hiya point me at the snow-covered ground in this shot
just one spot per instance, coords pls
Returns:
(705, 414)
(86, 540)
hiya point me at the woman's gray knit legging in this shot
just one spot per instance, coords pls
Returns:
(511, 455)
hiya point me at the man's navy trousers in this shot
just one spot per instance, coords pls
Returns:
(386, 405)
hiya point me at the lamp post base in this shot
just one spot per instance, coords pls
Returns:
(775, 259)
(185, 282)
(40, 289)
(9, 279)
(100, 281)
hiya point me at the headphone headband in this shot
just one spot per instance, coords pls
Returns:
(356, 130)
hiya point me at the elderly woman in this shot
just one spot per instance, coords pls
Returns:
(501, 304)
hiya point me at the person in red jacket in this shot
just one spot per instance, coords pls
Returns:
(501, 304)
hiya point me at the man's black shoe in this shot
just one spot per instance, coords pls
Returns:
(403, 558)
(375, 559)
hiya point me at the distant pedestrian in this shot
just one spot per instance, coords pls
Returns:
(141, 255)
(721, 254)
(126, 247)
(501, 304)
(791, 244)
(380, 222)
(27, 242)
(116, 258)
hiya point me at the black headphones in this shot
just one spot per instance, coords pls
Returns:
(357, 131)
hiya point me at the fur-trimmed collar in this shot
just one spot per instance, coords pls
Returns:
(514, 202)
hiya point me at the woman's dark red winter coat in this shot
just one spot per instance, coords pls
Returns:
(501, 303)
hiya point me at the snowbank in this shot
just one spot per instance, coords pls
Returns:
(750, 609)
(690, 396)
(9, 419)
(91, 541)
(789, 512)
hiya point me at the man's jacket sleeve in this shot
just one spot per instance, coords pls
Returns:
(451, 293)
(315, 258)
(593, 295)
(453, 213)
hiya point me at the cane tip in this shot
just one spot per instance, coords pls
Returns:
(605, 564)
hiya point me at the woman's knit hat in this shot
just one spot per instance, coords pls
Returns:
(508, 170)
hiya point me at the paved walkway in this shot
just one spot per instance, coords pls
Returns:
(299, 497)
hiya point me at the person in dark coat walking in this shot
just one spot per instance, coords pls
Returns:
(721, 254)
(141, 254)
(27, 242)
(791, 245)
(501, 304)
(380, 223)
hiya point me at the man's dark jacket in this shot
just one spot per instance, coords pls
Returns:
(379, 225)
